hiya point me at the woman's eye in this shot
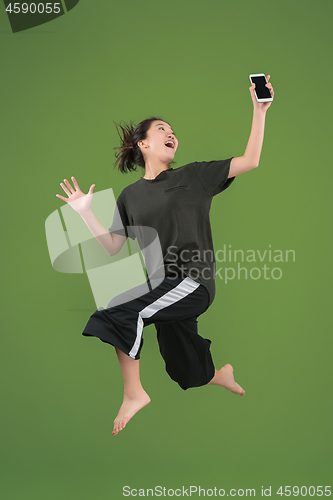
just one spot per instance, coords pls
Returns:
(163, 129)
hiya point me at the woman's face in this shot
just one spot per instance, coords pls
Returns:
(161, 141)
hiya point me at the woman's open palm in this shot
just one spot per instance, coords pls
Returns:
(80, 202)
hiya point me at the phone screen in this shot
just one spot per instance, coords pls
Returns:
(261, 91)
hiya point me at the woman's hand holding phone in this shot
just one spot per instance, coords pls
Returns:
(259, 104)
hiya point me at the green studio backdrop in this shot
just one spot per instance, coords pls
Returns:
(63, 84)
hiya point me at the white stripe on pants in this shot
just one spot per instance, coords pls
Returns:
(186, 287)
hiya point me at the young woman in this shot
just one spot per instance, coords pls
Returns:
(176, 204)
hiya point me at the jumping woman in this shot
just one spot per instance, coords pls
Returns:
(175, 203)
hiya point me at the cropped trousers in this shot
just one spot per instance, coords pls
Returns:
(173, 307)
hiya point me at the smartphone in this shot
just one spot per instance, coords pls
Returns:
(262, 93)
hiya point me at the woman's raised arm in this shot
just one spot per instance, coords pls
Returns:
(251, 157)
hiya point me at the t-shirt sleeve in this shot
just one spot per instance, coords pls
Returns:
(121, 224)
(213, 175)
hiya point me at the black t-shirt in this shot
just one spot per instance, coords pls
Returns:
(176, 204)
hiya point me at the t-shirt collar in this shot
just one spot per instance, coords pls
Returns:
(158, 175)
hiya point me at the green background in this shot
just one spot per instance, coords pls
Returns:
(62, 86)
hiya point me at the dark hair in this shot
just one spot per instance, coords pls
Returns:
(129, 154)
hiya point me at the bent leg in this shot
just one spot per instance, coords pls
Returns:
(187, 355)
(135, 397)
(188, 360)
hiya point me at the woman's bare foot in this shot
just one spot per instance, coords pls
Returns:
(128, 409)
(225, 378)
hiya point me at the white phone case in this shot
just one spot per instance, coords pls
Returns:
(266, 99)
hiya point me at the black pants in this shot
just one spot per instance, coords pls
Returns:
(173, 307)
